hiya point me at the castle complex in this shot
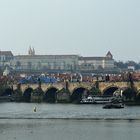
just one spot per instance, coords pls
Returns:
(32, 61)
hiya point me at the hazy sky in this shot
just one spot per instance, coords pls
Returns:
(84, 27)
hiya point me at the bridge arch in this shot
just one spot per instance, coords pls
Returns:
(138, 93)
(110, 90)
(51, 95)
(77, 94)
(27, 94)
(138, 96)
(129, 94)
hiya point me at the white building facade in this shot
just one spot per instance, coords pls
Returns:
(5, 58)
(57, 62)
(96, 63)
(46, 62)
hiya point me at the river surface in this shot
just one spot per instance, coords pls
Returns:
(68, 122)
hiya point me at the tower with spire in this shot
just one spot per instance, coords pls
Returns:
(31, 51)
(109, 55)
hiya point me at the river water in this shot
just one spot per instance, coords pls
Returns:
(68, 122)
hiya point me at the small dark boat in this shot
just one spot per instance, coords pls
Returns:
(6, 99)
(113, 105)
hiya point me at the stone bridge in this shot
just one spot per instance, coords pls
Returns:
(104, 87)
(71, 92)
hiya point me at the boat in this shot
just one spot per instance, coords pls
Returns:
(6, 99)
(102, 99)
(88, 100)
(96, 100)
(113, 105)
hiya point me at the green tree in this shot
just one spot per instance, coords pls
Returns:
(95, 91)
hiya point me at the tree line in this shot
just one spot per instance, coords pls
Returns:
(124, 65)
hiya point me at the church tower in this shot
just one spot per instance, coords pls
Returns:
(31, 51)
(109, 55)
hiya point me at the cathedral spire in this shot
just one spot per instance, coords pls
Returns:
(31, 51)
